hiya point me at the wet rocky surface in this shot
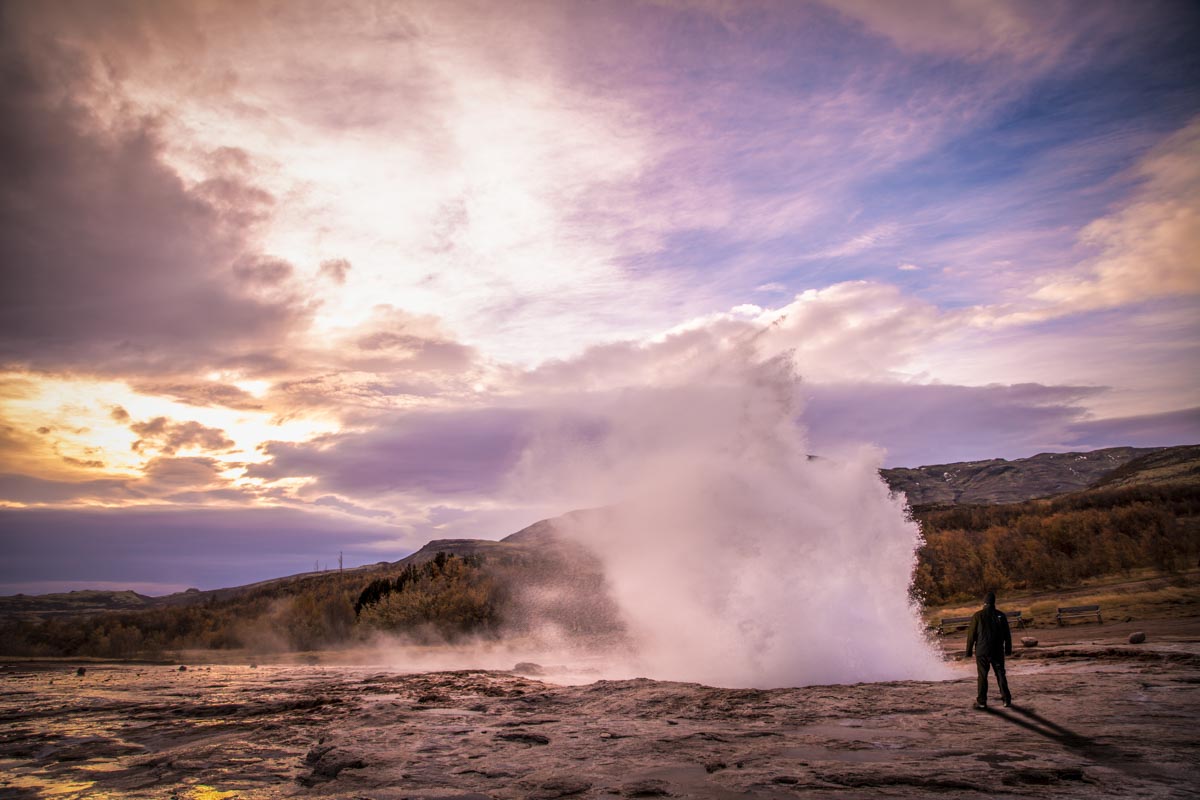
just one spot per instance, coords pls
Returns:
(1103, 719)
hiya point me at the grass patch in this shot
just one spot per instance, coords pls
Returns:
(1143, 595)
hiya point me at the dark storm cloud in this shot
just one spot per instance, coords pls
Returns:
(441, 453)
(110, 262)
(202, 548)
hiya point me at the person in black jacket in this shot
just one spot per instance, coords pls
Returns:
(990, 640)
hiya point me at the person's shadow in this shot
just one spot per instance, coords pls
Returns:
(1109, 755)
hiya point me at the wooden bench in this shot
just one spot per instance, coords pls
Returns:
(952, 623)
(958, 623)
(1074, 612)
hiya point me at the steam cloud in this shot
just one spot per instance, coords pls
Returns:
(733, 557)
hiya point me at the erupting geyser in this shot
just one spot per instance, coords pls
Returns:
(735, 558)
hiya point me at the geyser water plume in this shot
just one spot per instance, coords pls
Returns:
(733, 557)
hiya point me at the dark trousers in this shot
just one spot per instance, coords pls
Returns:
(983, 662)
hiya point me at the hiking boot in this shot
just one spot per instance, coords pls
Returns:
(980, 706)
(1008, 703)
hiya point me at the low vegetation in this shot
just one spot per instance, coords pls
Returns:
(1055, 543)
(446, 597)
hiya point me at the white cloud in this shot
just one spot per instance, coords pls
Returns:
(1150, 247)
(966, 28)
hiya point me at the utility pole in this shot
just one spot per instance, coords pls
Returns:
(316, 566)
(339, 560)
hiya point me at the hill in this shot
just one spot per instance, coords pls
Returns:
(83, 601)
(998, 480)
(1168, 465)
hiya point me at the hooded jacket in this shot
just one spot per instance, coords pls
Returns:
(989, 634)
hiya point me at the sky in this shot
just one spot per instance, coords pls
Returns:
(287, 279)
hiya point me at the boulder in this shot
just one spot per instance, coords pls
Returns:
(1137, 637)
(560, 787)
(529, 668)
(1028, 641)
(81, 671)
(651, 787)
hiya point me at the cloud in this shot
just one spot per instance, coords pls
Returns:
(113, 263)
(335, 269)
(861, 242)
(167, 437)
(1143, 430)
(172, 474)
(425, 454)
(206, 549)
(1149, 247)
(919, 424)
(160, 478)
(1019, 31)
(33, 490)
(199, 393)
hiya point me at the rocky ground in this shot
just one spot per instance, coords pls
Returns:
(1094, 716)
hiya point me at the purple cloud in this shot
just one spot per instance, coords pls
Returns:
(206, 549)
(438, 453)
(112, 264)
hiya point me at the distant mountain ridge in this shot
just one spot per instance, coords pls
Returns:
(998, 480)
(994, 481)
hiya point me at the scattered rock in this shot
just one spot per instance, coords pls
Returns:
(316, 753)
(559, 787)
(525, 738)
(715, 766)
(1028, 641)
(81, 671)
(529, 668)
(254, 666)
(182, 668)
(327, 763)
(651, 787)
(1137, 637)
(330, 767)
(787, 780)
